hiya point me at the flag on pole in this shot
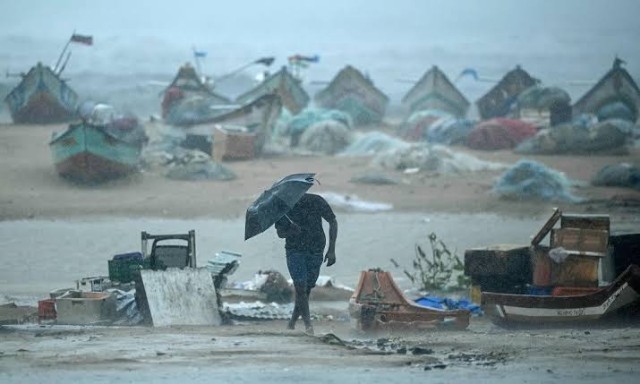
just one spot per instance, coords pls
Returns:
(199, 54)
(267, 61)
(82, 39)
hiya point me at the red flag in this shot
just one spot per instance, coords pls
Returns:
(82, 39)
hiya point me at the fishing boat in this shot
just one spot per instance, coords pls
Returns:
(378, 304)
(434, 91)
(566, 306)
(239, 133)
(352, 92)
(89, 153)
(500, 100)
(189, 100)
(570, 282)
(42, 97)
(285, 85)
(616, 94)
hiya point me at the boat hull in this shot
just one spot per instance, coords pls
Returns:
(42, 98)
(87, 153)
(531, 310)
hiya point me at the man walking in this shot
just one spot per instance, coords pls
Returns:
(304, 246)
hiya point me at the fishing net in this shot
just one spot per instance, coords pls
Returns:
(530, 180)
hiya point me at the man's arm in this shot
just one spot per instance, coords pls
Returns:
(330, 257)
(287, 228)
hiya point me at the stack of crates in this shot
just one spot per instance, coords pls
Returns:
(124, 267)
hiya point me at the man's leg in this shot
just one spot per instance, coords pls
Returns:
(302, 303)
(298, 271)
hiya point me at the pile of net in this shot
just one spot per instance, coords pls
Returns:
(580, 136)
(449, 131)
(372, 143)
(499, 133)
(530, 180)
(416, 126)
(618, 175)
(433, 159)
(327, 137)
(298, 124)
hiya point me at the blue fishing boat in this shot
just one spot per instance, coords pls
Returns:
(90, 153)
(42, 97)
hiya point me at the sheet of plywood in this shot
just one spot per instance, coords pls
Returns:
(181, 297)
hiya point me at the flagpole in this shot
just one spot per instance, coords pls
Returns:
(62, 53)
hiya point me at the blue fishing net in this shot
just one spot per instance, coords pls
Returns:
(530, 180)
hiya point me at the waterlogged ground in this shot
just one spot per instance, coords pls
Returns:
(264, 352)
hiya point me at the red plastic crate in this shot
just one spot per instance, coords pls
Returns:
(47, 309)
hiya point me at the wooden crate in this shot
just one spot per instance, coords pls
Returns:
(233, 144)
(578, 241)
(575, 271)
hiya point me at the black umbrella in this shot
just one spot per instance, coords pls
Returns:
(275, 202)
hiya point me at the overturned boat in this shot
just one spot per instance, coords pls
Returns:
(352, 92)
(379, 305)
(434, 91)
(42, 97)
(283, 84)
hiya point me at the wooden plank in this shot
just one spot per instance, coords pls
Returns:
(555, 216)
(599, 222)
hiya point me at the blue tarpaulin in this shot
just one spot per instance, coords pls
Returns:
(446, 303)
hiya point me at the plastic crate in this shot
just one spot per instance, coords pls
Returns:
(124, 271)
(47, 309)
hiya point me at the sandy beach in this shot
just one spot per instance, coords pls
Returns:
(53, 231)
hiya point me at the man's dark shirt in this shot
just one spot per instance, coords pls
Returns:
(308, 214)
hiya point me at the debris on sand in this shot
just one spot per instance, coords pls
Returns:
(372, 143)
(374, 178)
(618, 175)
(580, 136)
(434, 159)
(530, 180)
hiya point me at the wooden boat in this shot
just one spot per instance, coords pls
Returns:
(378, 305)
(91, 153)
(435, 91)
(42, 97)
(597, 304)
(616, 85)
(188, 100)
(499, 100)
(352, 92)
(282, 83)
(239, 133)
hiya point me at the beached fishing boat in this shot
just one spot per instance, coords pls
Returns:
(239, 133)
(434, 91)
(189, 100)
(42, 97)
(352, 92)
(378, 304)
(282, 83)
(615, 95)
(566, 306)
(88, 152)
(500, 100)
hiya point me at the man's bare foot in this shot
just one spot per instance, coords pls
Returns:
(309, 330)
(291, 325)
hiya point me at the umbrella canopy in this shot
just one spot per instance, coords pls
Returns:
(275, 202)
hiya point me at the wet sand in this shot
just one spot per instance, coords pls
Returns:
(53, 231)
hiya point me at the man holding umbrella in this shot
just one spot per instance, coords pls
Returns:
(298, 219)
(304, 246)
